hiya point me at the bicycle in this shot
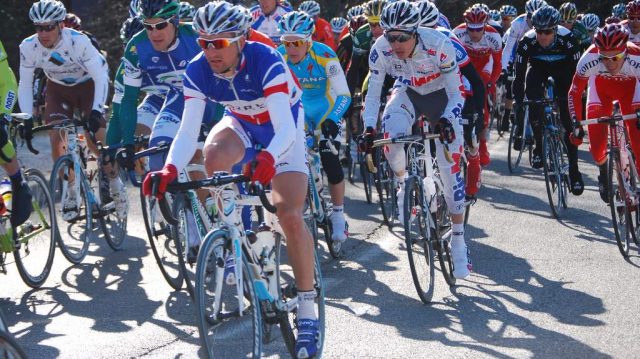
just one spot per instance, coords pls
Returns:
(385, 183)
(523, 133)
(427, 224)
(260, 275)
(9, 347)
(33, 242)
(71, 178)
(622, 179)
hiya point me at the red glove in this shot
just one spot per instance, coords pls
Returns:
(167, 174)
(576, 136)
(261, 169)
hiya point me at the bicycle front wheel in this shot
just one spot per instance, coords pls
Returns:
(514, 156)
(441, 233)
(385, 185)
(184, 232)
(367, 177)
(553, 176)
(416, 234)
(115, 223)
(37, 235)
(620, 204)
(225, 330)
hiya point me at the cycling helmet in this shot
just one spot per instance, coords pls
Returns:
(612, 20)
(248, 18)
(373, 10)
(163, 9)
(532, 5)
(475, 17)
(568, 12)
(429, 13)
(483, 6)
(218, 17)
(545, 18)
(355, 12)
(590, 21)
(187, 11)
(508, 10)
(133, 8)
(47, 11)
(296, 23)
(338, 24)
(72, 21)
(310, 7)
(401, 16)
(356, 23)
(285, 3)
(130, 27)
(633, 8)
(618, 10)
(611, 37)
(494, 15)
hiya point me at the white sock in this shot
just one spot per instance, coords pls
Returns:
(307, 305)
(338, 209)
(458, 232)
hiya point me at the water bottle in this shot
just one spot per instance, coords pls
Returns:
(5, 192)
(317, 173)
(429, 188)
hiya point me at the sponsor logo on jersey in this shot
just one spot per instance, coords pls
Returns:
(11, 98)
(155, 59)
(183, 63)
(374, 56)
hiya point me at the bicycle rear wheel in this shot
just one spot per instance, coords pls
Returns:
(37, 236)
(183, 233)
(619, 201)
(385, 185)
(224, 331)
(116, 224)
(416, 234)
(441, 233)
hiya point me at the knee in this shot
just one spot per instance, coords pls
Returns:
(331, 162)
(290, 217)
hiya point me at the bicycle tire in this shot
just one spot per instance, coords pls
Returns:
(64, 237)
(42, 218)
(384, 181)
(116, 226)
(417, 241)
(288, 323)
(209, 271)
(183, 211)
(309, 215)
(163, 245)
(366, 176)
(620, 211)
(514, 156)
(552, 176)
(327, 229)
(9, 347)
(442, 234)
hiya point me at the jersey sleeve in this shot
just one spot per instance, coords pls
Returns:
(511, 41)
(338, 83)
(96, 66)
(522, 59)
(25, 86)
(451, 75)
(7, 84)
(132, 80)
(584, 70)
(377, 72)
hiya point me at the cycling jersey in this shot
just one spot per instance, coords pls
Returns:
(444, 22)
(8, 84)
(358, 69)
(323, 33)
(344, 51)
(635, 38)
(581, 34)
(519, 27)
(485, 54)
(262, 97)
(268, 23)
(72, 61)
(431, 67)
(255, 35)
(325, 92)
(496, 26)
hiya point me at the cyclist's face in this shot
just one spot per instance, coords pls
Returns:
(506, 22)
(162, 35)
(49, 33)
(225, 58)
(613, 65)
(634, 23)
(376, 29)
(545, 39)
(475, 34)
(268, 6)
(402, 50)
(568, 25)
(296, 47)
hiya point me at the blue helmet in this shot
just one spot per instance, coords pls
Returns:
(310, 7)
(133, 8)
(296, 23)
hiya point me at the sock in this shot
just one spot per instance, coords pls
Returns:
(458, 232)
(307, 305)
(338, 209)
(16, 178)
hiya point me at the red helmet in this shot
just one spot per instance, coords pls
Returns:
(357, 22)
(633, 8)
(72, 21)
(475, 16)
(611, 37)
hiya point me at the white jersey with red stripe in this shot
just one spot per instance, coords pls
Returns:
(592, 72)
(481, 52)
(268, 24)
(430, 68)
(635, 38)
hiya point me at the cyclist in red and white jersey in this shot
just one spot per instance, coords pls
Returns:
(322, 32)
(632, 23)
(610, 68)
(484, 46)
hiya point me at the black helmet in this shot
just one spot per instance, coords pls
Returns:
(130, 27)
(546, 18)
(401, 15)
(164, 9)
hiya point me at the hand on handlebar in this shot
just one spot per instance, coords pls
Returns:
(577, 134)
(166, 175)
(446, 130)
(365, 141)
(261, 169)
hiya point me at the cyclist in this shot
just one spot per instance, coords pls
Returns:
(338, 24)
(607, 68)
(266, 16)
(474, 96)
(632, 22)
(345, 44)
(507, 14)
(325, 99)
(362, 41)
(253, 34)
(77, 79)
(568, 19)
(353, 12)
(186, 12)
(495, 21)
(591, 22)
(263, 107)
(484, 46)
(619, 11)
(19, 188)
(423, 62)
(547, 51)
(323, 32)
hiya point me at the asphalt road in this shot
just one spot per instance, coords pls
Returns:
(540, 288)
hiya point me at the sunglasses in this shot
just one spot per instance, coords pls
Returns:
(294, 43)
(402, 37)
(614, 58)
(476, 29)
(545, 31)
(157, 26)
(217, 43)
(46, 28)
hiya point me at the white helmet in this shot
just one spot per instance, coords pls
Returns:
(429, 13)
(218, 17)
(47, 11)
(310, 7)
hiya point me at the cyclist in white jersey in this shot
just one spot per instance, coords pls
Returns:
(77, 73)
(423, 63)
(632, 23)
(266, 16)
(518, 28)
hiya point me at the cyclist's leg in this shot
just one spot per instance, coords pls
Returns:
(629, 103)
(534, 89)
(84, 103)
(473, 157)
(19, 188)
(55, 96)
(165, 127)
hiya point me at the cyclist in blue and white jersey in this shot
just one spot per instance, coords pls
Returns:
(266, 16)
(423, 63)
(325, 97)
(263, 107)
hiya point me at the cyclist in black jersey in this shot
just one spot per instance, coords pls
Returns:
(547, 51)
